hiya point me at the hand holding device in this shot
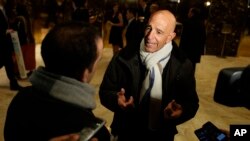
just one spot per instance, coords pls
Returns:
(209, 132)
(88, 132)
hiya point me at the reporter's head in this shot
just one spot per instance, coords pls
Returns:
(72, 50)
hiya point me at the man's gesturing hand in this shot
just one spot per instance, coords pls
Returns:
(122, 101)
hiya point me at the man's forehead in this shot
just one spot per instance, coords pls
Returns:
(164, 15)
(159, 20)
(163, 19)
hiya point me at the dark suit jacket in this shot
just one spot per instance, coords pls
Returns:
(35, 115)
(144, 13)
(134, 33)
(193, 39)
(81, 14)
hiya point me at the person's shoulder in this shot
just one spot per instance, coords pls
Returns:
(24, 92)
(20, 100)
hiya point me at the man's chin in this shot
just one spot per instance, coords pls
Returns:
(150, 49)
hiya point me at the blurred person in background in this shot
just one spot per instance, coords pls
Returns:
(143, 11)
(154, 7)
(134, 31)
(193, 36)
(6, 47)
(81, 12)
(116, 23)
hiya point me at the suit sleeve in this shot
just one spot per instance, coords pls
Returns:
(110, 86)
(186, 94)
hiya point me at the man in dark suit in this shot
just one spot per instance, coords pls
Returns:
(134, 32)
(143, 11)
(193, 37)
(6, 49)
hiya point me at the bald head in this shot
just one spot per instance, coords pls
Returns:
(159, 30)
(166, 17)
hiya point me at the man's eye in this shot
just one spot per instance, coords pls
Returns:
(148, 28)
(159, 32)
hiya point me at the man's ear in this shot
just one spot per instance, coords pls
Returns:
(85, 75)
(171, 37)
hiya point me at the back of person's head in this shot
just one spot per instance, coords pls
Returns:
(132, 11)
(154, 7)
(194, 13)
(70, 48)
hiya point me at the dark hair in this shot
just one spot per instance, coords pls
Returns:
(196, 12)
(70, 48)
(132, 10)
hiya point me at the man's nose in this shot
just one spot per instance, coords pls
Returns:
(150, 34)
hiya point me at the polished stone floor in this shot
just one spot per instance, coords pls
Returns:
(206, 76)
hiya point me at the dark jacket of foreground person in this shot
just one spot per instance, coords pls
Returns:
(60, 100)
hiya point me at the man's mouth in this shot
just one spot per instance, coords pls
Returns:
(149, 44)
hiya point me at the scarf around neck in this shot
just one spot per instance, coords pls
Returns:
(64, 88)
(152, 84)
(154, 62)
